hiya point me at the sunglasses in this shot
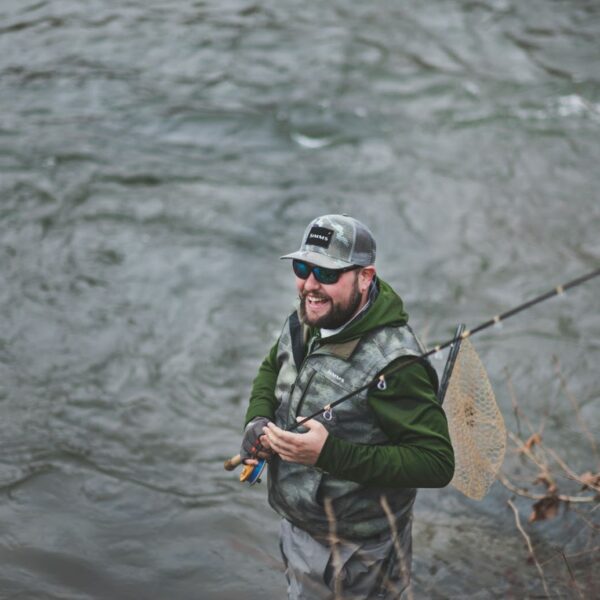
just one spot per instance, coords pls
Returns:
(322, 275)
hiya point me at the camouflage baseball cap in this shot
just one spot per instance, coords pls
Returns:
(335, 242)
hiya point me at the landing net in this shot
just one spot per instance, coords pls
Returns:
(476, 425)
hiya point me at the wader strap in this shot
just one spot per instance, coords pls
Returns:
(297, 336)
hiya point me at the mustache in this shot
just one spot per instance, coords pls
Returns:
(318, 295)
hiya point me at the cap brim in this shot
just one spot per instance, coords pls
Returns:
(316, 258)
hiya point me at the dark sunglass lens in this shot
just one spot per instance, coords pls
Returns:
(326, 276)
(301, 269)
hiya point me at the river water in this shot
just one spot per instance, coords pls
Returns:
(155, 160)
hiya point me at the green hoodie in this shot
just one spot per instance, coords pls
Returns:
(419, 452)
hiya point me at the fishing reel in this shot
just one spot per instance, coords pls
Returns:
(250, 473)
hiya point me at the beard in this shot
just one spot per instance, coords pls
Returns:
(337, 315)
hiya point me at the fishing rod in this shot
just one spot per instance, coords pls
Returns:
(253, 472)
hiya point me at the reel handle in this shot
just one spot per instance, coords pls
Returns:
(250, 473)
(231, 463)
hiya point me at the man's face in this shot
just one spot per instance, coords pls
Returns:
(329, 306)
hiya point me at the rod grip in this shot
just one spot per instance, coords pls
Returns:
(231, 463)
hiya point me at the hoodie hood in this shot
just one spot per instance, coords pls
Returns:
(386, 310)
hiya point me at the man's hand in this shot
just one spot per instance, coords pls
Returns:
(255, 443)
(302, 448)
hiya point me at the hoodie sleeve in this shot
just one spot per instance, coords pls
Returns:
(262, 397)
(419, 453)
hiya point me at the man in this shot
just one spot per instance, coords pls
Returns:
(344, 483)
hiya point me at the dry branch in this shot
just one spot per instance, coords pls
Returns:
(575, 405)
(335, 551)
(573, 580)
(404, 568)
(503, 479)
(530, 547)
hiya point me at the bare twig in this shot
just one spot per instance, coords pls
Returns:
(513, 399)
(525, 449)
(593, 526)
(575, 405)
(553, 469)
(503, 479)
(575, 584)
(530, 547)
(404, 568)
(335, 551)
(585, 552)
(570, 473)
(543, 466)
(574, 555)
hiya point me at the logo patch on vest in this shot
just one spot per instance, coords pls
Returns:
(335, 376)
(319, 236)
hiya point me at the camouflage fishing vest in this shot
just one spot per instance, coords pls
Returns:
(328, 372)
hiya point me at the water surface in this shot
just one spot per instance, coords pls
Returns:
(155, 160)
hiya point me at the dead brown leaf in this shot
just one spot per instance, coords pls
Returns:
(546, 508)
(534, 439)
(590, 480)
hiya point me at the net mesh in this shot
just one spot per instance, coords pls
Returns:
(476, 425)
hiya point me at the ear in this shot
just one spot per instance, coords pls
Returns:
(365, 277)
